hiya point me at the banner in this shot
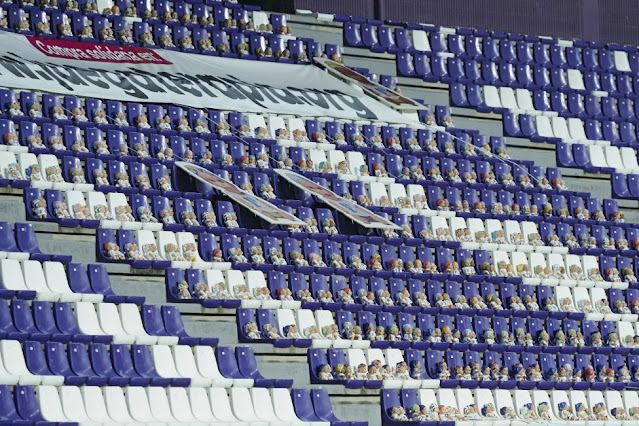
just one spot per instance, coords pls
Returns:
(348, 208)
(199, 81)
(255, 204)
(382, 93)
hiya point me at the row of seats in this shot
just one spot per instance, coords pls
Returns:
(576, 225)
(497, 47)
(571, 105)
(417, 294)
(376, 258)
(410, 369)
(174, 405)
(381, 193)
(230, 289)
(501, 99)
(303, 328)
(45, 118)
(222, 15)
(594, 159)
(115, 210)
(572, 127)
(503, 406)
(549, 80)
(439, 68)
(141, 248)
(98, 364)
(540, 129)
(45, 172)
(196, 23)
(450, 66)
(48, 281)
(624, 186)
(191, 38)
(102, 323)
(20, 242)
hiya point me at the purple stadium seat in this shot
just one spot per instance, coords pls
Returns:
(44, 321)
(27, 405)
(66, 322)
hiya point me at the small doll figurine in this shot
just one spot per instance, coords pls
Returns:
(186, 43)
(612, 275)
(164, 123)
(257, 255)
(443, 371)
(377, 142)
(621, 307)
(189, 252)
(356, 263)
(146, 39)
(183, 290)
(183, 125)
(397, 414)
(133, 252)
(266, 191)
(15, 110)
(164, 183)
(488, 411)
(595, 339)
(78, 115)
(442, 204)
(236, 255)
(112, 251)
(39, 208)
(613, 340)
(325, 372)
(251, 330)
(276, 256)
(244, 131)
(216, 255)
(594, 275)
(166, 216)
(379, 170)
(297, 258)
(260, 133)
(336, 261)
(33, 173)
(618, 217)
(122, 180)
(415, 172)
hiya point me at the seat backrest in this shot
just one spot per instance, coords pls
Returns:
(180, 405)
(11, 275)
(72, 404)
(94, 404)
(420, 40)
(164, 362)
(50, 405)
(221, 405)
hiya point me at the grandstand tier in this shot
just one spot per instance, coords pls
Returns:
(202, 224)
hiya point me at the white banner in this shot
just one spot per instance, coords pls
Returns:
(200, 81)
(255, 204)
(382, 93)
(348, 208)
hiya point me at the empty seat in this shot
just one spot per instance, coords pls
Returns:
(73, 404)
(50, 404)
(110, 323)
(160, 406)
(14, 363)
